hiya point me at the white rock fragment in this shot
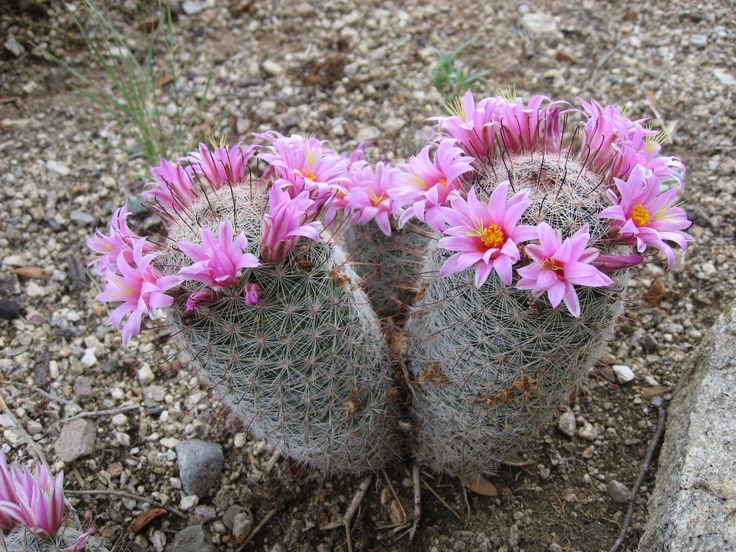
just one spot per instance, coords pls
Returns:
(567, 424)
(145, 375)
(58, 168)
(539, 24)
(272, 68)
(188, 502)
(89, 359)
(624, 374)
(34, 290)
(724, 77)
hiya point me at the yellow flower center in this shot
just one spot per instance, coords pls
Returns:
(442, 182)
(308, 173)
(640, 215)
(492, 236)
(376, 200)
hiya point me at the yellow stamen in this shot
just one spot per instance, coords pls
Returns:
(552, 264)
(376, 200)
(492, 236)
(442, 182)
(456, 108)
(640, 215)
(308, 173)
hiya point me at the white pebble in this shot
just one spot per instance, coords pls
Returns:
(624, 374)
(89, 359)
(145, 375)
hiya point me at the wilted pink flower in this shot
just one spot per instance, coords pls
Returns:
(38, 501)
(426, 185)
(252, 294)
(288, 219)
(139, 287)
(560, 265)
(520, 125)
(612, 263)
(198, 298)
(172, 186)
(118, 240)
(646, 215)
(368, 194)
(486, 235)
(221, 166)
(305, 164)
(218, 261)
(80, 544)
(473, 126)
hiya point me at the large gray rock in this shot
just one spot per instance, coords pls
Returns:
(77, 439)
(695, 495)
(200, 466)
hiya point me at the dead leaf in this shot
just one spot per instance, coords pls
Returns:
(32, 272)
(480, 485)
(434, 374)
(163, 81)
(656, 293)
(652, 99)
(399, 511)
(142, 520)
(561, 55)
(655, 391)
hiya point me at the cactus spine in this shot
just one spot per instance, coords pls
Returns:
(20, 539)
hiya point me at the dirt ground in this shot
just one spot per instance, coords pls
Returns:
(347, 71)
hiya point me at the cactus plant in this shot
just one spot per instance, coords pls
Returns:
(19, 539)
(491, 358)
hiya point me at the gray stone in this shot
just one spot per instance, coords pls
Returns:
(228, 518)
(695, 494)
(699, 41)
(80, 217)
(539, 24)
(13, 46)
(724, 77)
(624, 374)
(618, 491)
(191, 539)
(77, 439)
(567, 424)
(242, 525)
(200, 466)
(204, 513)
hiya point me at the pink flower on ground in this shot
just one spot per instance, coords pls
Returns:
(426, 185)
(225, 165)
(7, 493)
(646, 215)
(139, 287)
(558, 266)
(473, 126)
(119, 239)
(219, 260)
(38, 502)
(252, 294)
(486, 235)
(198, 298)
(172, 186)
(368, 194)
(288, 219)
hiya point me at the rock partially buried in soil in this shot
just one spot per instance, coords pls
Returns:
(191, 539)
(77, 439)
(200, 466)
(695, 495)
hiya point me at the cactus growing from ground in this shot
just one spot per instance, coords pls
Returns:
(490, 353)
(19, 539)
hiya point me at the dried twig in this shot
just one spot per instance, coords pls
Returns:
(417, 500)
(261, 525)
(49, 396)
(347, 518)
(124, 494)
(662, 413)
(108, 412)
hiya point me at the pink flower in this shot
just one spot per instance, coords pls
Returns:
(560, 265)
(225, 165)
(119, 240)
(38, 501)
(200, 297)
(646, 215)
(7, 494)
(612, 263)
(486, 235)
(288, 219)
(473, 126)
(172, 186)
(305, 164)
(252, 294)
(139, 287)
(520, 125)
(641, 147)
(80, 544)
(368, 194)
(426, 185)
(219, 260)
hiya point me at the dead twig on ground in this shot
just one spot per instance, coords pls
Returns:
(347, 518)
(261, 525)
(26, 437)
(96, 413)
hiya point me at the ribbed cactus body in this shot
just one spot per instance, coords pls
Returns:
(307, 368)
(21, 540)
(490, 365)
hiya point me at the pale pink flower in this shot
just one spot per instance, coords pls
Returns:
(7, 493)
(646, 215)
(219, 260)
(558, 266)
(426, 185)
(172, 186)
(473, 126)
(200, 297)
(367, 195)
(118, 240)
(641, 147)
(222, 166)
(80, 544)
(486, 236)
(287, 220)
(521, 126)
(138, 287)
(252, 294)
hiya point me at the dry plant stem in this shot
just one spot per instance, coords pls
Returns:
(41, 392)
(28, 439)
(417, 500)
(347, 518)
(132, 496)
(261, 525)
(662, 413)
(95, 413)
(442, 501)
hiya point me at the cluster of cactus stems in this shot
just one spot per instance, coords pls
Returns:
(499, 253)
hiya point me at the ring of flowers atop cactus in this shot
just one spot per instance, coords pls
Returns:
(313, 190)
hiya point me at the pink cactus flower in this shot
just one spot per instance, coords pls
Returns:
(641, 147)
(252, 294)
(219, 260)
(612, 263)
(80, 544)
(138, 287)
(558, 266)
(172, 186)
(288, 219)
(7, 494)
(646, 215)
(486, 235)
(221, 166)
(38, 500)
(520, 125)
(305, 164)
(118, 240)
(368, 194)
(198, 298)
(473, 126)
(426, 185)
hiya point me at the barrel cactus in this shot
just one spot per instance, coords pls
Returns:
(262, 297)
(525, 280)
(20, 539)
